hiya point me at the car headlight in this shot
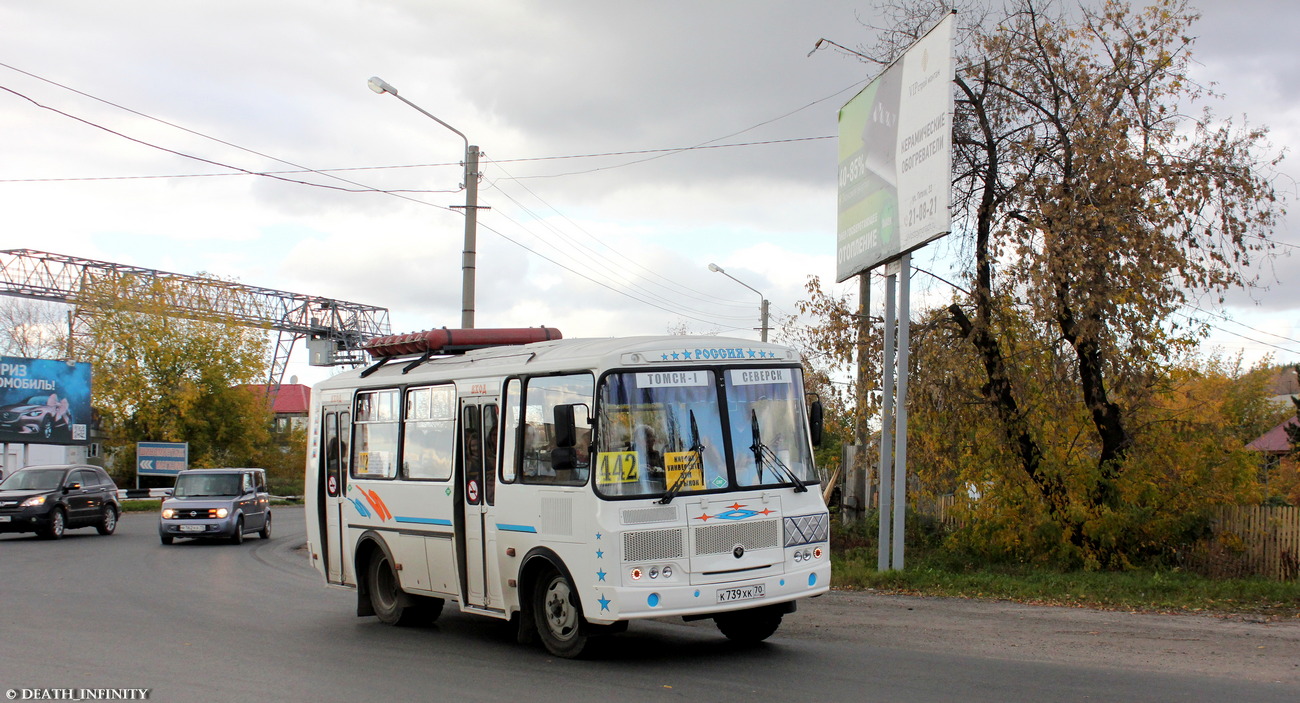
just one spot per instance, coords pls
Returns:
(34, 501)
(168, 513)
(222, 512)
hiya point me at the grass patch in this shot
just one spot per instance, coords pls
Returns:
(930, 571)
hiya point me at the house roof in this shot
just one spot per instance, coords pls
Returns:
(1275, 441)
(291, 398)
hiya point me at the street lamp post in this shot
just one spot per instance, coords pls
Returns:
(468, 256)
(762, 308)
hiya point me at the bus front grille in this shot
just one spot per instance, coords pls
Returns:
(653, 545)
(723, 538)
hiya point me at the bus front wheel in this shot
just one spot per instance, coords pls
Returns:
(559, 615)
(749, 626)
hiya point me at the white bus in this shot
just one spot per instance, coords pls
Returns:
(569, 485)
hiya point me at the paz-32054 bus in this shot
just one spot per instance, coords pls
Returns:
(569, 485)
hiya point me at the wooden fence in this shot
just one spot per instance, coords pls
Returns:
(1251, 540)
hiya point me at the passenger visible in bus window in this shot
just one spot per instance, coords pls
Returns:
(649, 451)
(537, 453)
(583, 447)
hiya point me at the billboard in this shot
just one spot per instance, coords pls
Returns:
(895, 170)
(43, 401)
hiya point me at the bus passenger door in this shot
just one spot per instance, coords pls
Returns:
(478, 437)
(334, 474)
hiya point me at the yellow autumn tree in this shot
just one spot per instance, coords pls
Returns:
(161, 377)
(1095, 204)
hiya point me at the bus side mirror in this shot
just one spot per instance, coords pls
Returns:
(566, 430)
(564, 458)
(816, 422)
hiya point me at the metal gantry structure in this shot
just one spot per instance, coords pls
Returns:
(334, 329)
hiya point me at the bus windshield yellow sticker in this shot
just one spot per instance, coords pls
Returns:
(617, 467)
(677, 463)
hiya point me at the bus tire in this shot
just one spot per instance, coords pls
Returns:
(749, 626)
(391, 604)
(558, 614)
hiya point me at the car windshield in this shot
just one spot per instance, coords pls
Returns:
(664, 433)
(205, 485)
(40, 480)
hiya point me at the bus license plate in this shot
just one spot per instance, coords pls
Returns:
(728, 595)
(193, 528)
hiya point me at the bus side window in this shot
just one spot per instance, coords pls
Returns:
(490, 423)
(375, 449)
(541, 397)
(510, 420)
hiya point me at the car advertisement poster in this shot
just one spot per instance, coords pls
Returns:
(43, 401)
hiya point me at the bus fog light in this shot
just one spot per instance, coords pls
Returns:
(636, 574)
(668, 572)
(817, 552)
(654, 572)
(807, 555)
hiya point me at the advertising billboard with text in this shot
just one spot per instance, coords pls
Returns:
(43, 401)
(895, 170)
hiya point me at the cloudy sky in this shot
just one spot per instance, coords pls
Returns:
(601, 222)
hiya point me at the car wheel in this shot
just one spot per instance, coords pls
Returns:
(108, 521)
(238, 537)
(748, 626)
(58, 523)
(559, 615)
(166, 539)
(266, 528)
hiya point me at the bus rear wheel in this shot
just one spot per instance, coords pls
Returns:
(392, 605)
(559, 615)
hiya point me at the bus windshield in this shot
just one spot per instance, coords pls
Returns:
(665, 432)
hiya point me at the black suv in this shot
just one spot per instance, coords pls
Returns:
(50, 499)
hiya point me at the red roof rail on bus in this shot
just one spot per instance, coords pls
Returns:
(455, 341)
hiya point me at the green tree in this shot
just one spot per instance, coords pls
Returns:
(158, 377)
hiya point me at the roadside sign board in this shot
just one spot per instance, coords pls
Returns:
(161, 458)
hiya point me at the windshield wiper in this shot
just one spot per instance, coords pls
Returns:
(680, 483)
(762, 451)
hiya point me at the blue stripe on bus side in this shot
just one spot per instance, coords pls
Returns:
(516, 528)
(423, 520)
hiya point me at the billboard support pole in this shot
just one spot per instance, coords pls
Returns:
(900, 408)
(887, 430)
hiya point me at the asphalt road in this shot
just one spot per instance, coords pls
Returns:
(198, 622)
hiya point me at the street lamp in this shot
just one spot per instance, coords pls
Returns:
(467, 264)
(762, 308)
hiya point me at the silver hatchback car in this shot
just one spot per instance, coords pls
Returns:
(217, 503)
